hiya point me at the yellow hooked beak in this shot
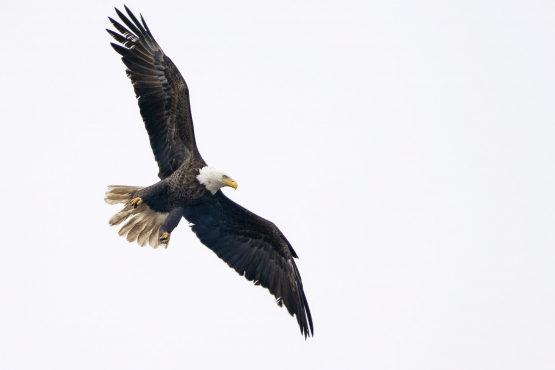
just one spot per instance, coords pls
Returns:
(231, 183)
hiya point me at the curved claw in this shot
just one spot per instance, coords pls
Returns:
(165, 238)
(135, 202)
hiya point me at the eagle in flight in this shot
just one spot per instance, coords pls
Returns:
(188, 187)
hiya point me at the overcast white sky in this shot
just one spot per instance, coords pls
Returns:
(406, 150)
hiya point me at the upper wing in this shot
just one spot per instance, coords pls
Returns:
(162, 93)
(255, 248)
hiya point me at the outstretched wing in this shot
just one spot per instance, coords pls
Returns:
(162, 93)
(255, 248)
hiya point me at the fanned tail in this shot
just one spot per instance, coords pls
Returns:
(144, 223)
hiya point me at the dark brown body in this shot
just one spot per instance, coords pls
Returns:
(179, 190)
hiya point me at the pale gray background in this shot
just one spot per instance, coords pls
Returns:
(405, 148)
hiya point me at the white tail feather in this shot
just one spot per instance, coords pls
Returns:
(144, 224)
(120, 194)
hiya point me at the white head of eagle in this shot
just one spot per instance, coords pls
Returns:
(214, 179)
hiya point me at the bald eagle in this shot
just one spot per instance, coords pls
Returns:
(188, 187)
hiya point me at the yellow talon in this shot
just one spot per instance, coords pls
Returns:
(165, 238)
(135, 202)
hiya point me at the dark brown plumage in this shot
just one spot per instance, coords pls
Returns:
(251, 245)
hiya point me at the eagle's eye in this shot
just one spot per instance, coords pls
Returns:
(224, 177)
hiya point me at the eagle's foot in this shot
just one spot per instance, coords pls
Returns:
(135, 202)
(165, 238)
